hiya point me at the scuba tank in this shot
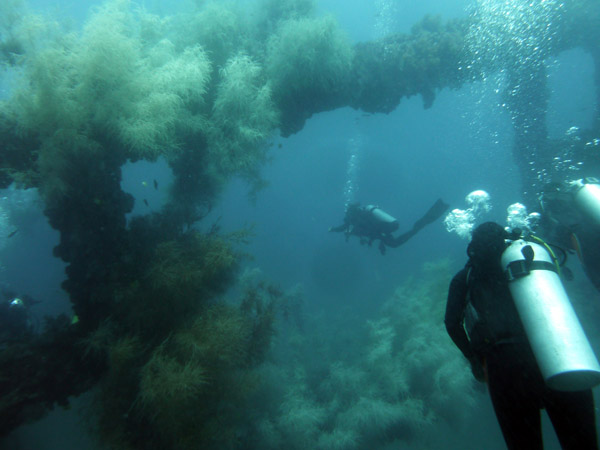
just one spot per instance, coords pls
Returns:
(586, 193)
(385, 222)
(562, 351)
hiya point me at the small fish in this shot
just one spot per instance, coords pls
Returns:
(12, 233)
(280, 145)
(155, 184)
(146, 203)
(144, 183)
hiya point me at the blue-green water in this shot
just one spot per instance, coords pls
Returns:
(339, 377)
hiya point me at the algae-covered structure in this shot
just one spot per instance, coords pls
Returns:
(205, 91)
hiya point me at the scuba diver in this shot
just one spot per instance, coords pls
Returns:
(15, 318)
(371, 223)
(489, 326)
(571, 219)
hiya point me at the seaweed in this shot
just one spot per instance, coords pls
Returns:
(191, 388)
(149, 296)
(243, 117)
(401, 379)
(309, 63)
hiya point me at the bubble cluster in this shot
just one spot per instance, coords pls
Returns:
(516, 38)
(513, 33)
(517, 217)
(462, 221)
(479, 201)
(386, 12)
(573, 132)
(593, 143)
(351, 186)
(565, 164)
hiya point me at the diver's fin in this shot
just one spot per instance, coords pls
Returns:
(434, 213)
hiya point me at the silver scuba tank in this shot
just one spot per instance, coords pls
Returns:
(587, 197)
(561, 349)
(385, 222)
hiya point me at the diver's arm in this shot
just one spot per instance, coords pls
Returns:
(455, 313)
(338, 229)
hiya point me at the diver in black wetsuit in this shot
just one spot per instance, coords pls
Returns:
(371, 223)
(571, 220)
(482, 320)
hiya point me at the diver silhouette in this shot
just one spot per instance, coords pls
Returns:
(370, 223)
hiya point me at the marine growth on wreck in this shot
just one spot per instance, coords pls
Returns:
(182, 347)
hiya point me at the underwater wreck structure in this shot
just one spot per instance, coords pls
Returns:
(205, 91)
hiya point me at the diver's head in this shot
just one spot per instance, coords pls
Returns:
(487, 245)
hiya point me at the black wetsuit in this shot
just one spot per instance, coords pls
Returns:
(516, 386)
